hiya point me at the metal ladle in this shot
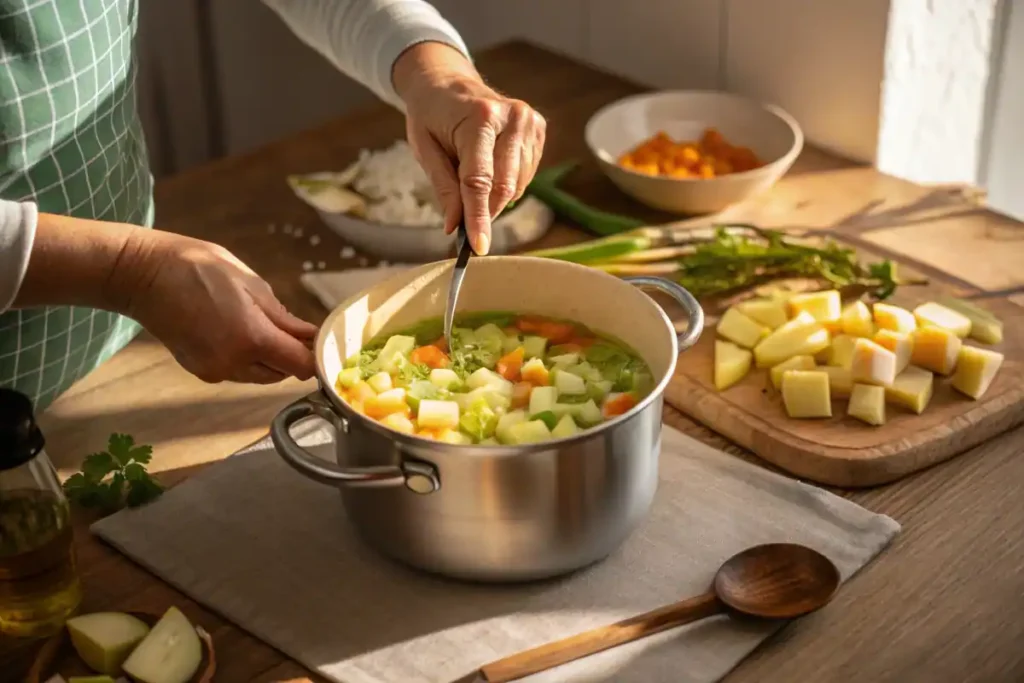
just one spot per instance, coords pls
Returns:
(463, 250)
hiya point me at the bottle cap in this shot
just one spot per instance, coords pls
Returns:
(20, 437)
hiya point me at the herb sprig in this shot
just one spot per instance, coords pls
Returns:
(114, 478)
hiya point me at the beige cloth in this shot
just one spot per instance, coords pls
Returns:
(272, 552)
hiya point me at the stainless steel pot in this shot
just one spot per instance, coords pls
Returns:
(495, 513)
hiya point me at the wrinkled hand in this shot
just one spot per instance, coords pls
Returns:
(479, 148)
(219, 319)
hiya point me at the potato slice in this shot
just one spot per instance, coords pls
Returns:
(867, 404)
(769, 312)
(975, 370)
(897, 342)
(794, 363)
(889, 317)
(933, 314)
(912, 389)
(801, 336)
(170, 653)
(872, 364)
(805, 394)
(985, 326)
(935, 349)
(103, 640)
(732, 363)
(822, 306)
(740, 329)
(856, 320)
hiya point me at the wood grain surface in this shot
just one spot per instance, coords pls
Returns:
(941, 605)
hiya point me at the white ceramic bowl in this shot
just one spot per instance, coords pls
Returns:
(769, 131)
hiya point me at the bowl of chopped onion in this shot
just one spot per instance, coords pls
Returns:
(383, 205)
(693, 152)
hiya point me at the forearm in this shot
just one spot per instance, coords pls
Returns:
(74, 262)
(365, 38)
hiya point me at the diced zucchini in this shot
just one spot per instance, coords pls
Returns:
(643, 383)
(533, 347)
(492, 394)
(586, 371)
(444, 378)
(542, 399)
(419, 390)
(396, 349)
(587, 414)
(565, 360)
(598, 390)
(532, 431)
(506, 422)
(483, 377)
(479, 420)
(438, 414)
(566, 427)
(349, 377)
(569, 384)
(380, 382)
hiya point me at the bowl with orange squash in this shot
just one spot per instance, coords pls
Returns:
(693, 152)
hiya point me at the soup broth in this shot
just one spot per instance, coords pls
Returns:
(510, 379)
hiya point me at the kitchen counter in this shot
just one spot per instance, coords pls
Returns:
(942, 604)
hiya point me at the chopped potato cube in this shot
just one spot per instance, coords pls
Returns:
(822, 306)
(912, 389)
(805, 394)
(382, 405)
(872, 364)
(740, 329)
(769, 312)
(732, 364)
(841, 351)
(856, 320)
(889, 317)
(985, 326)
(794, 363)
(975, 370)
(932, 314)
(867, 403)
(899, 343)
(801, 336)
(438, 414)
(935, 349)
(840, 380)
(399, 422)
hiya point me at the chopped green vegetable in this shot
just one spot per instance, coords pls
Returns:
(115, 477)
(479, 421)
(544, 187)
(547, 417)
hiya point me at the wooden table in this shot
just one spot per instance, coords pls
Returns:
(942, 604)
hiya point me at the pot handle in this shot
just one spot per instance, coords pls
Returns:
(419, 477)
(683, 297)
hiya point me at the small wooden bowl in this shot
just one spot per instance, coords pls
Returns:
(57, 656)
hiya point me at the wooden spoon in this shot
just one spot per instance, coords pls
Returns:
(774, 581)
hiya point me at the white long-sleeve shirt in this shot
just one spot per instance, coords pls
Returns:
(362, 38)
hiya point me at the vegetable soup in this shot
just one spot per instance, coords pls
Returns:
(510, 379)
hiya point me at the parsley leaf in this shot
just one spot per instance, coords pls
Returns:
(109, 480)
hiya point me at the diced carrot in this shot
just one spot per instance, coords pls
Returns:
(618, 405)
(529, 324)
(429, 355)
(558, 333)
(537, 375)
(521, 394)
(510, 364)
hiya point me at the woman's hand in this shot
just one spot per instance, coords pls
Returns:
(219, 319)
(479, 148)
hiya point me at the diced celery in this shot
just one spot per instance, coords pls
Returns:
(349, 377)
(533, 347)
(587, 414)
(380, 382)
(528, 432)
(565, 360)
(506, 422)
(599, 389)
(479, 420)
(570, 384)
(438, 414)
(542, 399)
(566, 427)
(443, 378)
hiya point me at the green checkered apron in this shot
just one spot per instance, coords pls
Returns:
(71, 141)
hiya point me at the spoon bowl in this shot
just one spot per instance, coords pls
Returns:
(463, 251)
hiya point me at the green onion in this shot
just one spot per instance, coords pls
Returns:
(545, 188)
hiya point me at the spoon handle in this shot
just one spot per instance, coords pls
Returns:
(560, 652)
(463, 251)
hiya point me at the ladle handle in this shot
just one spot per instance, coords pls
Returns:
(563, 651)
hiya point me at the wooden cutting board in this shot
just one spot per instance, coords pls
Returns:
(842, 451)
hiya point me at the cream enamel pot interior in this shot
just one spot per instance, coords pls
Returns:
(495, 513)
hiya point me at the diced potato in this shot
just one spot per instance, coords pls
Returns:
(794, 363)
(391, 401)
(454, 436)
(911, 389)
(532, 431)
(534, 347)
(586, 371)
(483, 377)
(506, 421)
(105, 639)
(841, 351)
(438, 414)
(740, 329)
(801, 336)
(443, 378)
(975, 370)
(856, 320)
(805, 394)
(380, 382)
(170, 653)
(985, 326)
(867, 404)
(822, 306)
(732, 364)
(565, 360)
(535, 373)
(771, 313)
(588, 414)
(933, 314)
(899, 343)
(935, 349)
(872, 364)
(840, 380)
(889, 317)
(399, 422)
(349, 377)
(566, 427)
(599, 389)
(569, 384)
(542, 400)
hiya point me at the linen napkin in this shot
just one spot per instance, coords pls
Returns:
(272, 551)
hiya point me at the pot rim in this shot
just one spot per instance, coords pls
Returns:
(500, 450)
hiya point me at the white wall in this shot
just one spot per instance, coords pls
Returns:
(1002, 162)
